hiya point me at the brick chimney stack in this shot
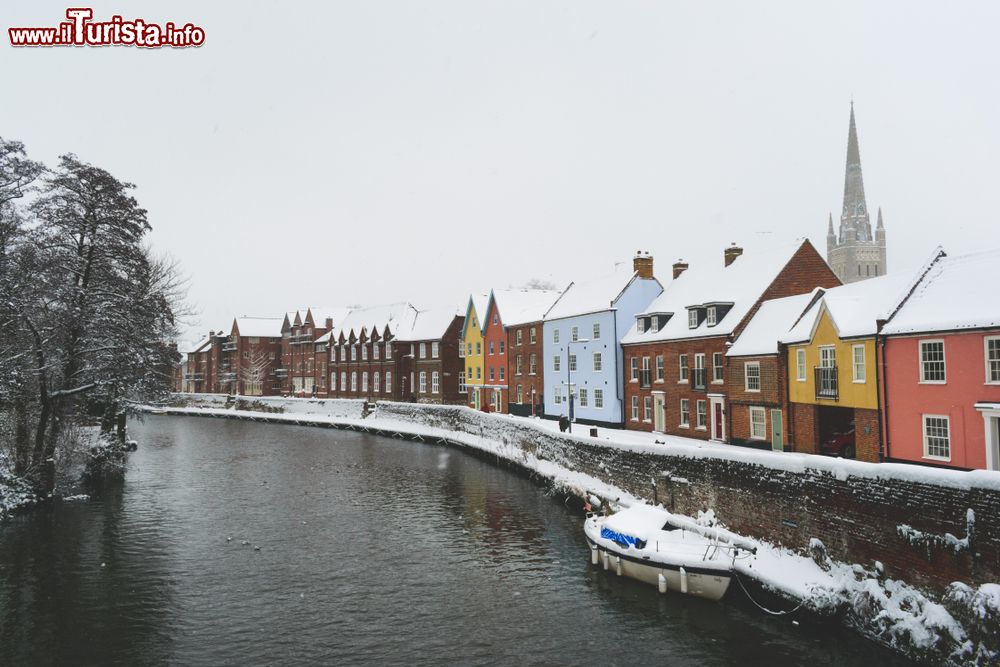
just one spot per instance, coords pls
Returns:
(642, 263)
(731, 253)
(680, 266)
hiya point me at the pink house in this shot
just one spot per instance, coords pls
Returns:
(941, 355)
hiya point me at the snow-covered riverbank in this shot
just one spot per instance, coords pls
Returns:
(958, 627)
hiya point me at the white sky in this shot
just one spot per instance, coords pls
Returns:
(331, 153)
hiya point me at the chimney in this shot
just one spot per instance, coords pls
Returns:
(731, 253)
(642, 263)
(680, 266)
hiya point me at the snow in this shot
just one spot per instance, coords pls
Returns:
(591, 296)
(639, 520)
(321, 315)
(382, 319)
(259, 327)
(479, 303)
(521, 306)
(741, 283)
(772, 320)
(431, 324)
(956, 293)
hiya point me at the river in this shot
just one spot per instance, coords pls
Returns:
(371, 550)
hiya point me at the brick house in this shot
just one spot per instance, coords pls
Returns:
(196, 377)
(504, 308)
(365, 358)
(438, 369)
(526, 369)
(675, 350)
(941, 355)
(302, 371)
(249, 356)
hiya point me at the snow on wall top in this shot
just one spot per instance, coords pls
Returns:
(772, 320)
(429, 324)
(520, 306)
(259, 327)
(591, 296)
(392, 317)
(956, 293)
(741, 284)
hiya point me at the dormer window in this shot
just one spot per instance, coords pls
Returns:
(710, 317)
(654, 323)
(693, 318)
(640, 323)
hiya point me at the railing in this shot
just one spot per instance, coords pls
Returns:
(300, 339)
(698, 376)
(229, 347)
(645, 378)
(826, 382)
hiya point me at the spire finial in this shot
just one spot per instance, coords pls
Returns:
(880, 225)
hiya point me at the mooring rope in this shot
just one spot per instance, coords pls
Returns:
(762, 607)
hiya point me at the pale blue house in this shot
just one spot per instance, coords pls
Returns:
(582, 348)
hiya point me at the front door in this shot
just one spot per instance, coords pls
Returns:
(777, 437)
(658, 416)
(718, 417)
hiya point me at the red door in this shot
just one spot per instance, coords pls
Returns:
(717, 425)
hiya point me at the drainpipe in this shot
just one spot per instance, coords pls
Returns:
(620, 371)
(883, 425)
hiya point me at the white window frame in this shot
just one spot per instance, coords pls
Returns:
(556, 363)
(640, 324)
(343, 381)
(557, 395)
(388, 382)
(682, 368)
(435, 382)
(388, 350)
(574, 334)
(654, 324)
(990, 378)
(364, 381)
(718, 368)
(862, 377)
(422, 378)
(944, 360)
(800, 364)
(596, 331)
(598, 398)
(503, 373)
(519, 338)
(435, 350)
(532, 336)
(598, 362)
(376, 383)
(635, 408)
(647, 409)
(354, 381)
(710, 316)
(685, 413)
(532, 364)
(661, 368)
(634, 369)
(926, 443)
(571, 359)
(756, 410)
(582, 397)
(746, 376)
(702, 415)
(692, 318)
(555, 335)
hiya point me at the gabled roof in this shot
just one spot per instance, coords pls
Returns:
(954, 293)
(261, 327)
(771, 321)
(431, 324)
(476, 307)
(320, 315)
(855, 308)
(741, 283)
(389, 318)
(520, 306)
(592, 296)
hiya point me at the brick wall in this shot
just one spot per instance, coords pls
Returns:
(525, 379)
(867, 443)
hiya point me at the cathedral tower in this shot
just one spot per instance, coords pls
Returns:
(855, 253)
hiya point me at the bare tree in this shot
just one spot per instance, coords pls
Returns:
(254, 369)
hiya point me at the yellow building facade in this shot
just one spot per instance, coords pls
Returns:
(472, 339)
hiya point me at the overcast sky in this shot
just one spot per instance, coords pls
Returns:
(339, 153)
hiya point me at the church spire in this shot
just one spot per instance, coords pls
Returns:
(854, 186)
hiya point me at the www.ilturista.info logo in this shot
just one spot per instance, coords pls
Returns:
(79, 30)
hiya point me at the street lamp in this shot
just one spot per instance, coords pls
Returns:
(569, 378)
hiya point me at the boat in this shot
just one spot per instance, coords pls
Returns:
(640, 543)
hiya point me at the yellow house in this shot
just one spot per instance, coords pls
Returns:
(833, 370)
(472, 341)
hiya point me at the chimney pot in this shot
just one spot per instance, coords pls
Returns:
(642, 264)
(731, 253)
(680, 266)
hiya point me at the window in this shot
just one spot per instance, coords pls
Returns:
(693, 318)
(436, 382)
(343, 381)
(572, 363)
(518, 366)
(479, 348)
(354, 353)
(699, 369)
(468, 349)
(375, 383)
(375, 351)
(702, 414)
(574, 334)
(435, 350)
(479, 372)
(758, 424)
(992, 353)
(556, 363)
(503, 347)
(423, 350)
(423, 382)
(343, 353)
(492, 377)
(751, 376)
(518, 339)
(491, 347)
(937, 440)
(364, 381)
(532, 364)
(858, 357)
(598, 398)
(532, 336)
(635, 408)
(503, 373)
(246, 354)
(597, 331)
(388, 351)
(660, 368)
(828, 357)
(682, 362)
(685, 413)
(932, 368)
(364, 353)
(647, 409)
(557, 395)
(520, 394)
(800, 364)
(461, 349)
(710, 316)
(634, 376)
(388, 382)
(598, 362)
(640, 324)
(717, 366)
(354, 381)
(583, 398)
(470, 373)
(555, 335)
(494, 318)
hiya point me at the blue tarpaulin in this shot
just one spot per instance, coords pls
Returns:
(620, 538)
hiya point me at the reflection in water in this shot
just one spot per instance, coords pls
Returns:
(371, 551)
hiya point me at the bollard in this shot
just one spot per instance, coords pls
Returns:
(605, 559)
(618, 565)
(684, 581)
(661, 583)
(593, 554)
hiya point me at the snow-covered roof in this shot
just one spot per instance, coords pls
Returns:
(430, 324)
(855, 308)
(955, 293)
(741, 284)
(261, 327)
(520, 306)
(591, 296)
(392, 317)
(320, 315)
(771, 321)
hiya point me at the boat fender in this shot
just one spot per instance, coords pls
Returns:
(618, 565)
(594, 555)
(605, 558)
(661, 583)
(684, 581)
